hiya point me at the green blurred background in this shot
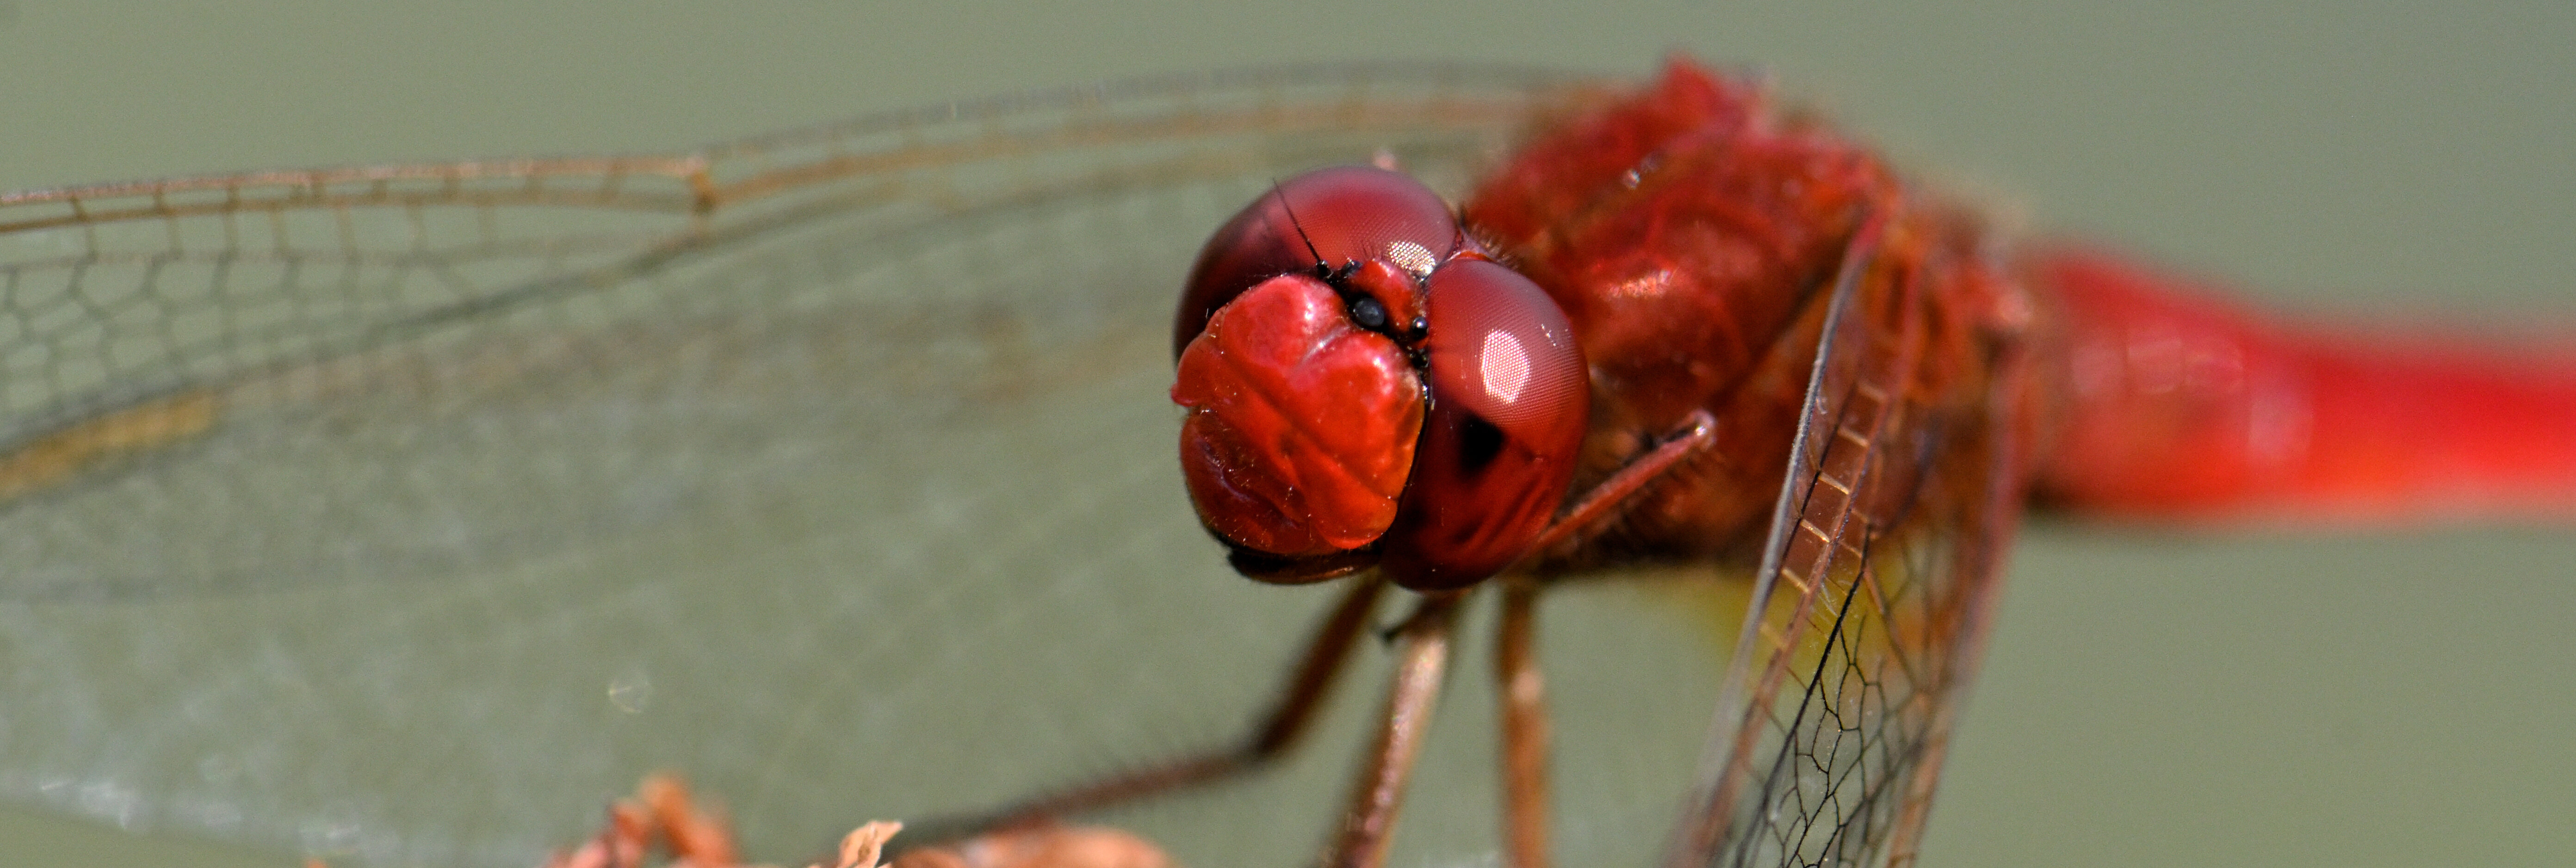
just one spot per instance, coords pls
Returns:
(2150, 699)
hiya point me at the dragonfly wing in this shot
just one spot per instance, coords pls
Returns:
(402, 514)
(371, 326)
(1872, 598)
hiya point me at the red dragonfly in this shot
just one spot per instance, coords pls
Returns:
(852, 392)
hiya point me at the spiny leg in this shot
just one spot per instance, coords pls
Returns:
(1697, 433)
(1422, 655)
(1522, 689)
(1326, 655)
(1524, 724)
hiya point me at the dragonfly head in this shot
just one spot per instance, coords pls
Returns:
(1365, 386)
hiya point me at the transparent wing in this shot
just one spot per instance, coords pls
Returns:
(404, 514)
(1871, 603)
(160, 342)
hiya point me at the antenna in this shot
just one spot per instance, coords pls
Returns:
(1321, 267)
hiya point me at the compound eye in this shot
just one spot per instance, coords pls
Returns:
(1510, 401)
(1328, 217)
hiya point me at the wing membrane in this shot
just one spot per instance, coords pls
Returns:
(1870, 603)
(143, 320)
(401, 514)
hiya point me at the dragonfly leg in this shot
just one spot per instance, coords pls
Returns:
(1421, 656)
(1525, 731)
(1278, 730)
(1697, 432)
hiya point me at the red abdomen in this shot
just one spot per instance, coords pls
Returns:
(2173, 406)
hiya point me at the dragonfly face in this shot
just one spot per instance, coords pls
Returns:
(1310, 384)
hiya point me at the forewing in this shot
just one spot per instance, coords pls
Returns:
(367, 331)
(405, 513)
(1872, 598)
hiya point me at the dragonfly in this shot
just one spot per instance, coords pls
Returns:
(482, 458)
